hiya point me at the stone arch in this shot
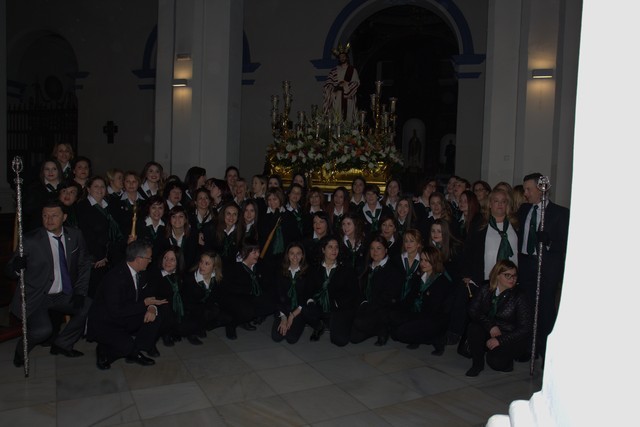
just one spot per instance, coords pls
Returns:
(39, 56)
(354, 13)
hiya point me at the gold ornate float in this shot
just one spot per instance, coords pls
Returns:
(331, 152)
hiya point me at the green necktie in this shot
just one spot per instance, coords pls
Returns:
(256, 291)
(178, 306)
(323, 294)
(424, 285)
(504, 251)
(407, 278)
(374, 219)
(532, 239)
(293, 293)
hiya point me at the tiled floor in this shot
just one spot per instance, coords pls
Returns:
(255, 382)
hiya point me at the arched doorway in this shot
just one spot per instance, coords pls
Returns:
(42, 105)
(410, 48)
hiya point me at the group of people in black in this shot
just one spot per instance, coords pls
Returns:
(170, 259)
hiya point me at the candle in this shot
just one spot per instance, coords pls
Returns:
(373, 101)
(363, 114)
(378, 87)
(286, 84)
(274, 101)
(134, 220)
(392, 102)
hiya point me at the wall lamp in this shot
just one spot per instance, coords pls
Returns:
(543, 73)
(180, 82)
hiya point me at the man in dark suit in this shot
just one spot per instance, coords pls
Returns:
(56, 277)
(123, 316)
(554, 241)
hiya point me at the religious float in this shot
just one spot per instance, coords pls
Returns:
(332, 152)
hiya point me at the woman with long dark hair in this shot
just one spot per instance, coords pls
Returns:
(294, 292)
(353, 248)
(335, 295)
(380, 287)
(151, 180)
(428, 305)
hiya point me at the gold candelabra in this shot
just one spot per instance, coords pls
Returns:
(330, 125)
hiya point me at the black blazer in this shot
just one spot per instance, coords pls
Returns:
(304, 291)
(556, 226)
(116, 304)
(343, 287)
(437, 300)
(385, 287)
(95, 229)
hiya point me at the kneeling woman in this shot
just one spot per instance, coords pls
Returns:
(428, 305)
(501, 321)
(167, 285)
(294, 293)
(244, 295)
(335, 296)
(202, 293)
(380, 287)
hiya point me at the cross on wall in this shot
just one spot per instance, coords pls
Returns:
(110, 129)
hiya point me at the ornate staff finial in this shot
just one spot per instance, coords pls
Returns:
(544, 184)
(16, 164)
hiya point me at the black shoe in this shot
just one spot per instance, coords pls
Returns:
(259, 320)
(153, 352)
(231, 333)
(18, 360)
(140, 359)
(193, 339)
(202, 334)
(315, 336)
(68, 353)
(413, 346)
(452, 338)
(167, 341)
(382, 340)
(248, 326)
(438, 351)
(474, 371)
(101, 360)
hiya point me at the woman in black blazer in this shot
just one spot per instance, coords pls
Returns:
(245, 297)
(294, 293)
(202, 292)
(100, 230)
(335, 295)
(427, 307)
(178, 233)
(380, 286)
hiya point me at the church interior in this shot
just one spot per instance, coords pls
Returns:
(191, 83)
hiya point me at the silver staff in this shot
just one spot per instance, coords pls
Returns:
(543, 185)
(16, 165)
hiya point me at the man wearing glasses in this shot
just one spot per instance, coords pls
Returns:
(123, 317)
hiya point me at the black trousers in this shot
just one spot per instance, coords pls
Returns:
(501, 357)
(121, 340)
(549, 283)
(338, 322)
(370, 322)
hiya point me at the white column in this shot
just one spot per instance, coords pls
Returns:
(501, 93)
(199, 125)
(591, 369)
